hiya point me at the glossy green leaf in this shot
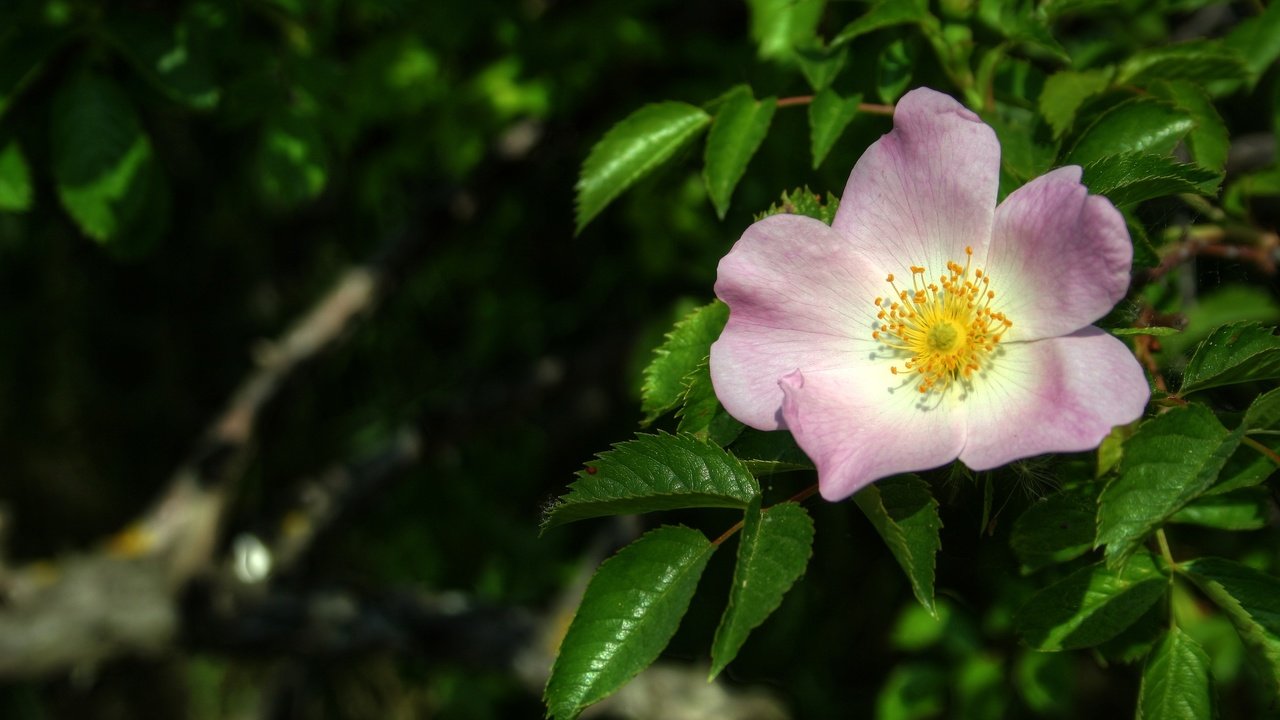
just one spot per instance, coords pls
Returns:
(16, 191)
(1264, 412)
(1198, 60)
(829, 115)
(655, 472)
(1065, 91)
(1091, 605)
(1243, 509)
(1234, 353)
(701, 413)
(1133, 177)
(1140, 125)
(1208, 141)
(101, 158)
(1257, 40)
(778, 26)
(168, 56)
(1251, 599)
(631, 150)
(1176, 684)
(629, 612)
(773, 553)
(883, 14)
(1056, 529)
(903, 510)
(740, 125)
(1169, 461)
(686, 345)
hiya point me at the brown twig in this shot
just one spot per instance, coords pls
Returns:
(868, 108)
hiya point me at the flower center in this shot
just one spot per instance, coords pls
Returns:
(946, 328)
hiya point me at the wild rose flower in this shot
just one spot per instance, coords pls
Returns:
(927, 324)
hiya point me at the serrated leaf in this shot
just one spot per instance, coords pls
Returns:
(1139, 124)
(167, 56)
(631, 150)
(803, 201)
(1176, 684)
(1091, 605)
(774, 551)
(1157, 331)
(740, 125)
(1251, 599)
(1243, 509)
(1234, 353)
(829, 115)
(102, 160)
(1247, 467)
(1056, 529)
(903, 510)
(701, 413)
(1208, 141)
(1168, 462)
(1133, 177)
(778, 26)
(655, 472)
(766, 453)
(1263, 412)
(1196, 60)
(16, 191)
(821, 64)
(687, 345)
(628, 614)
(883, 14)
(1065, 91)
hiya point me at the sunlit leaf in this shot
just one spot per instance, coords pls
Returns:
(1139, 125)
(741, 123)
(883, 14)
(1065, 91)
(686, 345)
(1176, 684)
(1133, 177)
(1091, 605)
(1234, 353)
(16, 191)
(1252, 600)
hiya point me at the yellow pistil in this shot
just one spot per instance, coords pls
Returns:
(947, 328)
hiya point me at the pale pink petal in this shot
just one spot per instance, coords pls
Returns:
(1059, 394)
(799, 299)
(1059, 258)
(862, 424)
(922, 193)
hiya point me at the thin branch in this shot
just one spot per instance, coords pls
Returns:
(868, 108)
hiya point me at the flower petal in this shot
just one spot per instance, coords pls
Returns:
(799, 298)
(923, 192)
(1059, 258)
(860, 424)
(1060, 394)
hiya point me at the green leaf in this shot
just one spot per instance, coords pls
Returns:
(904, 512)
(293, 161)
(655, 472)
(912, 691)
(687, 345)
(1176, 684)
(1208, 141)
(1057, 528)
(1065, 91)
(1135, 642)
(102, 161)
(829, 115)
(740, 125)
(1258, 41)
(1091, 605)
(1252, 600)
(701, 413)
(1168, 462)
(883, 14)
(16, 191)
(631, 150)
(629, 613)
(1246, 468)
(1158, 331)
(778, 26)
(766, 453)
(1136, 125)
(1133, 177)
(1263, 412)
(1197, 60)
(1242, 509)
(821, 64)
(1235, 353)
(167, 56)
(803, 201)
(894, 68)
(775, 548)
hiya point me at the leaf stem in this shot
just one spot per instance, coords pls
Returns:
(801, 496)
(1164, 549)
(868, 108)
(1272, 455)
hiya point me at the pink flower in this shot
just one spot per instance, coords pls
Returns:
(926, 324)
